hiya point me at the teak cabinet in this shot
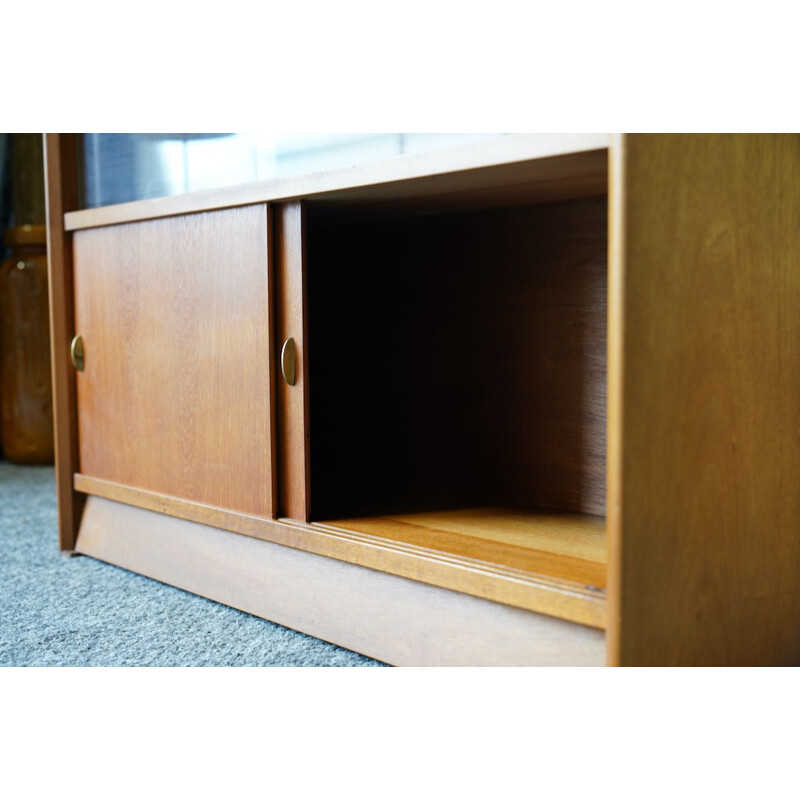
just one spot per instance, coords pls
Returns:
(528, 401)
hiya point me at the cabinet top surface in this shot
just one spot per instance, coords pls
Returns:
(556, 159)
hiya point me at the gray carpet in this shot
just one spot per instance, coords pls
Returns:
(57, 610)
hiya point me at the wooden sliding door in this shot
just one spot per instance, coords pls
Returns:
(294, 500)
(175, 395)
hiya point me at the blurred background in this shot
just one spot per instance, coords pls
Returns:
(26, 405)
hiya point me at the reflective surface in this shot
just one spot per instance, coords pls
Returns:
(120, 167)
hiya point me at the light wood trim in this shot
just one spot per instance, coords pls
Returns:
(393, 619)
(503, 584)
(705, 536)
(61, 191)
(436, 165)
(567, 546)
(294, 470)
(614, 419)
(575, 535)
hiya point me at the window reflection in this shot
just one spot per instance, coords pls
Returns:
(119, 167)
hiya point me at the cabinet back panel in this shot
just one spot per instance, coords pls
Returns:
(175, 395)
(458, 360)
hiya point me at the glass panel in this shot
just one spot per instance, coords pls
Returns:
(119, 167)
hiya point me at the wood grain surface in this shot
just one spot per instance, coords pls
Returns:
(492, 569)
(704, 510)
(61, 191)
(292, 322)
(566, 546)
(176, 395)
(396, 620)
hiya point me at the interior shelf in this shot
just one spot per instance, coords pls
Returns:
(569, 547)
(458, 372)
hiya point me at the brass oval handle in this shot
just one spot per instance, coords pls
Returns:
(76, 352)
(289, 362)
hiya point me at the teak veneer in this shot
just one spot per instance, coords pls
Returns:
(544, 407)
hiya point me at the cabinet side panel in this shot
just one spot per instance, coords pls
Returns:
(175, 394)
(707, 553)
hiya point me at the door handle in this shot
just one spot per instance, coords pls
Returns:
(289, 362)
(76, 352)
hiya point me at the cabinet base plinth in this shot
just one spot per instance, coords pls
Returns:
(390, 618)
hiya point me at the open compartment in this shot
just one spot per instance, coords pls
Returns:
(457, 376)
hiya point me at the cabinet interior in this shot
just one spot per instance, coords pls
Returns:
(457, 378)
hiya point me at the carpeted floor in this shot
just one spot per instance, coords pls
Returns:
(57, 610)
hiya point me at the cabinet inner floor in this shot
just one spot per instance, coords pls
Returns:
(569, 547)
